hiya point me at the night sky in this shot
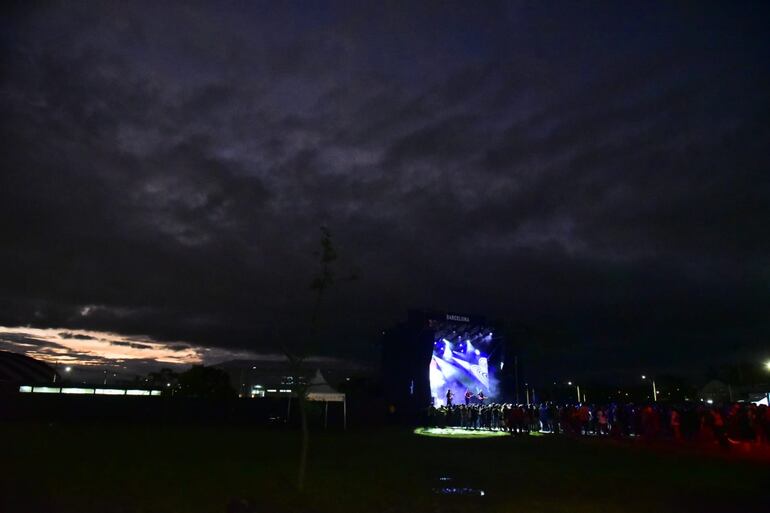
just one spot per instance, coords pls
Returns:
(594, 175)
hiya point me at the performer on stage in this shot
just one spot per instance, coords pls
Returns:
(468, 396)
(449, 397)
(481, 397)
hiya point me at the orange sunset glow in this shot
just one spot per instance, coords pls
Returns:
(98, 348)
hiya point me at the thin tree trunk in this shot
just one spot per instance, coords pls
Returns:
(305, 444)
(322, 282)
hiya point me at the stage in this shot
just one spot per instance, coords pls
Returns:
(436, 358)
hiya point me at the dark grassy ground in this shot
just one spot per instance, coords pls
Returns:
(88, 468)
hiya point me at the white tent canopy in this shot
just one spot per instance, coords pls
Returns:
(319, 390)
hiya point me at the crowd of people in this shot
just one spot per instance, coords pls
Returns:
(697, 422)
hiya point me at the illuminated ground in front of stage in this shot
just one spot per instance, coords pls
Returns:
(457, 433)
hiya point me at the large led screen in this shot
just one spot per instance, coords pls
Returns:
(461, 363)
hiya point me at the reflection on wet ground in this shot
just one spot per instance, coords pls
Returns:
(448, 486)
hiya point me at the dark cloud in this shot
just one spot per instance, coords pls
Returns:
(595, 176)
(24, 340)
(76, 336)
(135, 345)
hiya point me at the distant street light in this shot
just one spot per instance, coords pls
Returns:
(654, 390)
(767, 367)
(68, 369)
(577, 387)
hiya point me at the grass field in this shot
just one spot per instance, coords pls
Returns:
(90, 468)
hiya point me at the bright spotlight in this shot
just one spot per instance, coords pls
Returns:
(644, 377)
(767, 365)
(67, 369)
(478, 352)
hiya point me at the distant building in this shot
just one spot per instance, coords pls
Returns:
(274, 376)
(18, 369)
(22, 374)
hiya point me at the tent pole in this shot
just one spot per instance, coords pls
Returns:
(326, 413)
(288, 410)
(345, 412)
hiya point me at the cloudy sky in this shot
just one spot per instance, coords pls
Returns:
(593, 174)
